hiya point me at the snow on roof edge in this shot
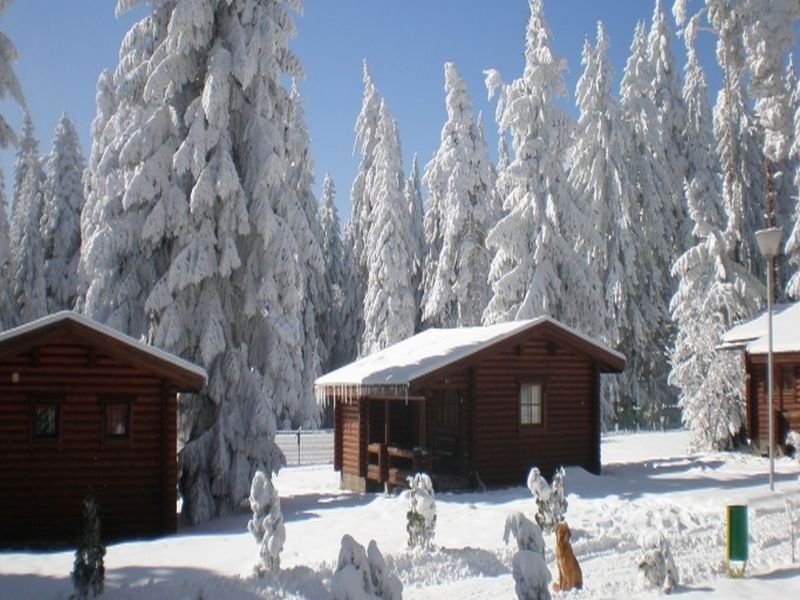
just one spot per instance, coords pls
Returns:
(326, 381)
(106, 330)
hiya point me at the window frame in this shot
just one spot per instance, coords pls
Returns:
(48, 402)
(531, 383)
(109, 402)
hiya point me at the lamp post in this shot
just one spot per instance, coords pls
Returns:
(769, 241)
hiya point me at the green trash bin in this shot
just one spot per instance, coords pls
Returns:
(737, 540)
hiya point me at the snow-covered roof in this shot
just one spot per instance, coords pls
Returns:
(752, 335)
(68, 315)
(400, 364)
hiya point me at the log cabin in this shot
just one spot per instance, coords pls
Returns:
(85, 409)
(752, 340)
(470, 406)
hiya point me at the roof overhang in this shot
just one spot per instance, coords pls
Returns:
(399, 370)
(182, 374)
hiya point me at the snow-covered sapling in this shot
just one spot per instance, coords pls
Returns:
(655, 561)
(793, 440)
(421, 513)
(88, 571)
(266, 524)
(531, 575)
(551, 501)
(527, 533)
(362, 575)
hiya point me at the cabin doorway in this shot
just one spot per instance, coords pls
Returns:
(445, 432)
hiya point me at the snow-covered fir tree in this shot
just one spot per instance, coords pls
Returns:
(27, 145)
(460, 192)
(300, 207)
(27, 255)
(600, 179)
(413, 195)
(739, 141)
(60, 225)
(390, 311)
(8, 308)
(669, 124)
(9, 87)
(534, 243)
(793, 240)
(357, 228)
(643, 389)
(200, 241)
(331, 316)
(714, 292)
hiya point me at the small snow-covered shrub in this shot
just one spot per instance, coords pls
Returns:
(421, 514)
(531, 575)
(527, 533)
(266, 524)
(362, 575)
(793, 440)
(655, 561)
(88, 571)
(551, 502)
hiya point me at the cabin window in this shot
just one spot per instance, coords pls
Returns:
(787, 387)
(45, 420)
(530, 404)
(117, 417)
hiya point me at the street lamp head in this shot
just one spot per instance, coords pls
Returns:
(769, 241)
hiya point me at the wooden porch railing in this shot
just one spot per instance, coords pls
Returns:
(390, 464)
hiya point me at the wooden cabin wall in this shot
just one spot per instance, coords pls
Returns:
(44, 482)
(352, 421)
(786, 406)
(505, 450)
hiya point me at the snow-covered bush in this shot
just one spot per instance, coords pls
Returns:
(551, 501)
(793, 440)
(88, 571)
(421, 513)
(527, 533)
(655, 561)
(266, 524)
(362, 575)
(531, 575)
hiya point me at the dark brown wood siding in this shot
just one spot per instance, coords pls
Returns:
(352, 435)
(44, 482)
(506, 450)
(785, 403)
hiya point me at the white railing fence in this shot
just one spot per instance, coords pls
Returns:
(306, 447)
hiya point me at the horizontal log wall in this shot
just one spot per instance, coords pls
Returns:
(506, 450)
(786, 406)
(351, 436)
(43, 482)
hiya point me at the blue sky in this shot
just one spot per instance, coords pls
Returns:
(65, 44)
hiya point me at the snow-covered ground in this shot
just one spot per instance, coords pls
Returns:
(648, 480)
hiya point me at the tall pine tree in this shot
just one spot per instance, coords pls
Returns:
(200, 240)
(60, 226)
(535, 262)
(460, 186)
(600, 179)
(714, 292)
(27, 255)
(390, 310)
